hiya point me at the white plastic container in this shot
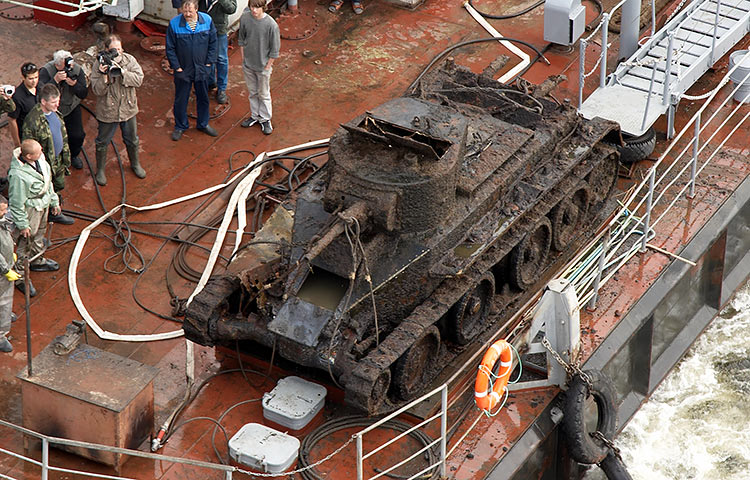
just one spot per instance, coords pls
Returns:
(263, 448)
(740, 76)
(293, 402)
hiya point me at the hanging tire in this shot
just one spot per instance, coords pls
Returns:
(529, 257)
(468, 315)
(567, 217)
(411, 368)
(582, 446)
(637, 148)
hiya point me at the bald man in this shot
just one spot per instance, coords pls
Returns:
(31, 195)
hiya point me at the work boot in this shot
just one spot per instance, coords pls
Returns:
(22, 288)
(5, 345)
(135, 163)
(101, 162)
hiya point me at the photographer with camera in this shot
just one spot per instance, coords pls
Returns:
(6, 103)
(70, 80)
(114, 78)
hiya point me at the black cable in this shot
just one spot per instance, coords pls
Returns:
(329, 428)
(216, 425)
(510, 15)
(600, 8)
(445, 52)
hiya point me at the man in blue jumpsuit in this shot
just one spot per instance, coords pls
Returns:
(191, 51)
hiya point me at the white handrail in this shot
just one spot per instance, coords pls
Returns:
(84, 6)
(660, 181)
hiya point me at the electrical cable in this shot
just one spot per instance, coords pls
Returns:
(332, 426)
(510, 15)
(445, 52)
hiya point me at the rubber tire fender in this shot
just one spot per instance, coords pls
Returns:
(582, 446)
(637, 148)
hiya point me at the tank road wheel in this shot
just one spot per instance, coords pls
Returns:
(379, 391)
(567, 217)
(469, 314)
(528, 258)
(602, 178)
(410, 369)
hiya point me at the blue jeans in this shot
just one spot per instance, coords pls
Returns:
(220, 70)
(182, 94)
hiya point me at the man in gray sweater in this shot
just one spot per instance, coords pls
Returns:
(259, 40)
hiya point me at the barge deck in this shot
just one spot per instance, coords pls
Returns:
(349, 65)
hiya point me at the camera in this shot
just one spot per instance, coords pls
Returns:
(69, 64)
(106, 58)
(9, 90)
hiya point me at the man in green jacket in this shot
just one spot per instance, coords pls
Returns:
(116, 104)
(6, 285)
(31, 195)
(45, 125)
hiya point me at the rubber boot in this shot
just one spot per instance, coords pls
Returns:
(101, 161)
(135, 163)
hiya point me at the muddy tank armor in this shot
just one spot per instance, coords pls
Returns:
(435, 216)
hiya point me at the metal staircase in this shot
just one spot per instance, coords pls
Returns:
(636, 93)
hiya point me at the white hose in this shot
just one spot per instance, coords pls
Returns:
(239, 195)
(525, 59)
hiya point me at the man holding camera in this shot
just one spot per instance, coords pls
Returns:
(70, 80)
(114, 78)
(6, 103)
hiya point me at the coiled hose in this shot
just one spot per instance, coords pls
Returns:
(336, 425)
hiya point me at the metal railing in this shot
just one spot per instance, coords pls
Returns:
(440, 441)
(673, 175)
(671, 58)
(76, 8)
(49, 440)
(439, 444)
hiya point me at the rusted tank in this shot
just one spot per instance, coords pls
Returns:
(435, 214)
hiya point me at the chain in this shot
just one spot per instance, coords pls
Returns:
(299, 470)
(571, 368)
(606, 441)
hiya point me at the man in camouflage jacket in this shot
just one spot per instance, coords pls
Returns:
(6, 104)
(36, 126)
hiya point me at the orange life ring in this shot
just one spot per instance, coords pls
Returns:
(487, 394)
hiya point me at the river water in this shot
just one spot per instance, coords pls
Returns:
(697, 423)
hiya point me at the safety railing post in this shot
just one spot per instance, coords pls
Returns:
(647, 217)
(45, 458)
(605, 31)
(648, 98)
(581, 70)
(443, 429)
(694, 163)
(653, 18)
(599, 270)
(359, 457)
(716, 27)
(228, 475)
(668, 70)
